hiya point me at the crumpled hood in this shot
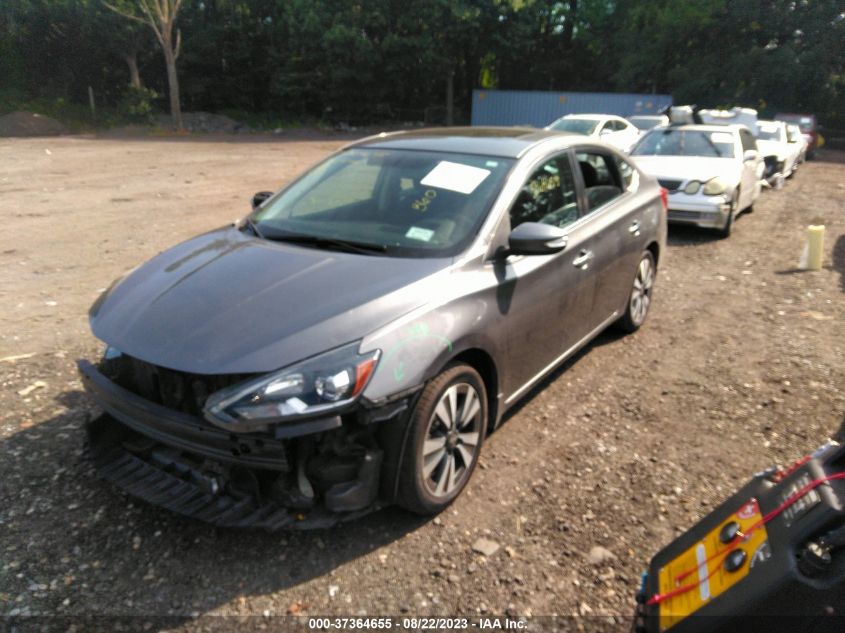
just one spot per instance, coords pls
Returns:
(226, 302)
(700, 168)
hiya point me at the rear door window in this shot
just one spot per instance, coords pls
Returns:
(602, 181)
(628, 174)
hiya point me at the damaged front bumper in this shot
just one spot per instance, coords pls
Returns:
(308, 474)
(774, 167)
(710, 212)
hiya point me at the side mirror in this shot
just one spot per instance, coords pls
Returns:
(749, 155)
(535, 238)
(605, 132)
(260, 198)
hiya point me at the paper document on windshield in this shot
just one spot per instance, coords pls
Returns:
(455, 177)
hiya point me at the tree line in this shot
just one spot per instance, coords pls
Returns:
(366, 61)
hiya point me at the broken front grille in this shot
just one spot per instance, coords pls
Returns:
(177, 390)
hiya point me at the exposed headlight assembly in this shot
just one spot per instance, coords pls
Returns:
(692, 187)
(715, 187)
(319, 384)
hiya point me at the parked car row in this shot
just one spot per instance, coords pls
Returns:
(807, 126)
(713, 163)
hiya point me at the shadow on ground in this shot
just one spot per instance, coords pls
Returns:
(69, 539)
(610, 335)
(683, 235)
(838, 257)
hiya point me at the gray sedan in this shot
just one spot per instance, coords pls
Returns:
(353, 340)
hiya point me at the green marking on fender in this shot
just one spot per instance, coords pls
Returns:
(399, 372)
(416, 332)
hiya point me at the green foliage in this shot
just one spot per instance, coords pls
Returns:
(138, 104)
(278, 61)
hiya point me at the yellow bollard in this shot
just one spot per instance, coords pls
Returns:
(815, 247)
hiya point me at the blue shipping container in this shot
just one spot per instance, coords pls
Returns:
(538, 109)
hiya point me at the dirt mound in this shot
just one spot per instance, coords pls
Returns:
(204, 122)
(30, 124)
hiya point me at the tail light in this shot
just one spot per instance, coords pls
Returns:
(664, 198)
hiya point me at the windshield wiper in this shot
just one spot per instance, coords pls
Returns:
(254, 227)
(329, 242)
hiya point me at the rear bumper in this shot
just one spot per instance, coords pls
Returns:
(711, 213)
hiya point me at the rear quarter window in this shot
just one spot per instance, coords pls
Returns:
(628, 174)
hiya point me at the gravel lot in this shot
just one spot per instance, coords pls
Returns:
(740, 366)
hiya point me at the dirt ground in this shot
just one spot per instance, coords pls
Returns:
(739, 366)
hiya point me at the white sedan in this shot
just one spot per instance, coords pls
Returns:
(609, 128)
(712, 172)
(794, 136)
(780, 155)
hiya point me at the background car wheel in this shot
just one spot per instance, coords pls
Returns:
(725, 231)
(639, 300)
(448, 427)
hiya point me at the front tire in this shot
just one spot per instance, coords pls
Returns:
(448, 427)
(639, 301)
(725, 231)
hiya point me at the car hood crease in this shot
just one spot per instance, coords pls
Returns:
(226, 302)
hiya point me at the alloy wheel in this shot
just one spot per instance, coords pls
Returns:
(641, 293)
(452, 440)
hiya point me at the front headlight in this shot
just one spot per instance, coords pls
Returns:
(715, 187)
(322, 383)
(692, 187)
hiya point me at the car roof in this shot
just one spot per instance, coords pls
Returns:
(506, 142)
(703, 127)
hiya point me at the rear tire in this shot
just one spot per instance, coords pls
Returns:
(639, 301)
(448, 427)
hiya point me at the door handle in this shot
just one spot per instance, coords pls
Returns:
(634, 229)
(583, 259)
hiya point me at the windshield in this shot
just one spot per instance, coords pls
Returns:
(579, 126)
(646, 122)
(671, 142)
(407, 203)
(770, 133)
